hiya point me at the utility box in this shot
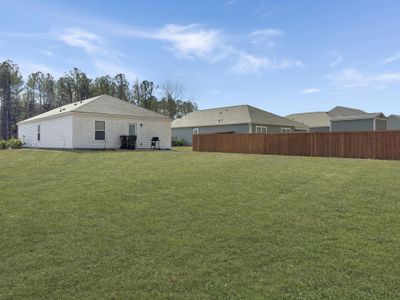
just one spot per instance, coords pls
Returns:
(128, 142)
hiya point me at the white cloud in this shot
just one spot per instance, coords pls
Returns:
(191, 40)
(310, 91)
(262, 10)
(338, 59)
(104, 58)
(351, 77)
(247, 64)
(188, 41)
(391, 59)
(230, 2)
(90, 42)
(387, 77)
(47, 52)
(195, 41)
(112, 68)
(264, 36)
(250, 64)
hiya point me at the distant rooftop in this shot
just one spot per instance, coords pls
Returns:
(229, 115)
(344, 111)
(359, 116)
(322, 119)
(312, 119)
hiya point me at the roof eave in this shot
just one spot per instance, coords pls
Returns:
(30, 120)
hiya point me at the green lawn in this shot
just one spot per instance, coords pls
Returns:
(179, 225)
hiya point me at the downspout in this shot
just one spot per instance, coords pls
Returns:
(250, 128)
(72, 131)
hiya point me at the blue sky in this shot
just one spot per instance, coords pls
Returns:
(282, 56)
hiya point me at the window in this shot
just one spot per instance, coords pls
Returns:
(132, 129)
(100, 130)
(195, 131)
(286, 130)
(38, 132)
(261, 129)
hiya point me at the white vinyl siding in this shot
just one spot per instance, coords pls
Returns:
(54, 133)
(84, 126)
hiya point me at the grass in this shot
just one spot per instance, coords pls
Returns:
(179, 225)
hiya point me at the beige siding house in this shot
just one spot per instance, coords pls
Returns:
(95, 123)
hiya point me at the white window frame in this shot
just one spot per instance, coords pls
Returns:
(195, 131)
(374, 124)
(261, 129)
(286, 130)
(97, 140)
(136, 128)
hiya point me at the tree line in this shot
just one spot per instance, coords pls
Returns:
(42, 92)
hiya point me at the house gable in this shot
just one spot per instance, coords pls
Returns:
(113, 106)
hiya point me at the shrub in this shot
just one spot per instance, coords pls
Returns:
(178, 142)
(3, 145)
(14, 144)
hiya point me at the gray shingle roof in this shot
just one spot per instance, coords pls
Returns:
(359, 116)
(103, 104)
(241, 114)
(322, 119)
(312, 119)
(394, 116)
(344, 111)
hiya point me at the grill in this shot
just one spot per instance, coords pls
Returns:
(155, 142)
(128, 142)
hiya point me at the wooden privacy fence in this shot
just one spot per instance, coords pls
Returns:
(374, 144)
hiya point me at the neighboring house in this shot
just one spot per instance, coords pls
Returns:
(232, 119)
(344, 111)
(394, 122)
(359, 122)
(317, 121)
(95, 123)
(341, 119)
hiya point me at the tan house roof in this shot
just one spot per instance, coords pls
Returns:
(312, 119)
(321, 118)
(102, 104)
(344, 111)
(241, 114)
(359, 117)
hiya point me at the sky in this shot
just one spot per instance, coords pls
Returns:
(282, 56)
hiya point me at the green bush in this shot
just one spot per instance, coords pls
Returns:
(14, 144)
(3, 145)
(178, 142)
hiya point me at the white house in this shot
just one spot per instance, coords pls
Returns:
(95, 123)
